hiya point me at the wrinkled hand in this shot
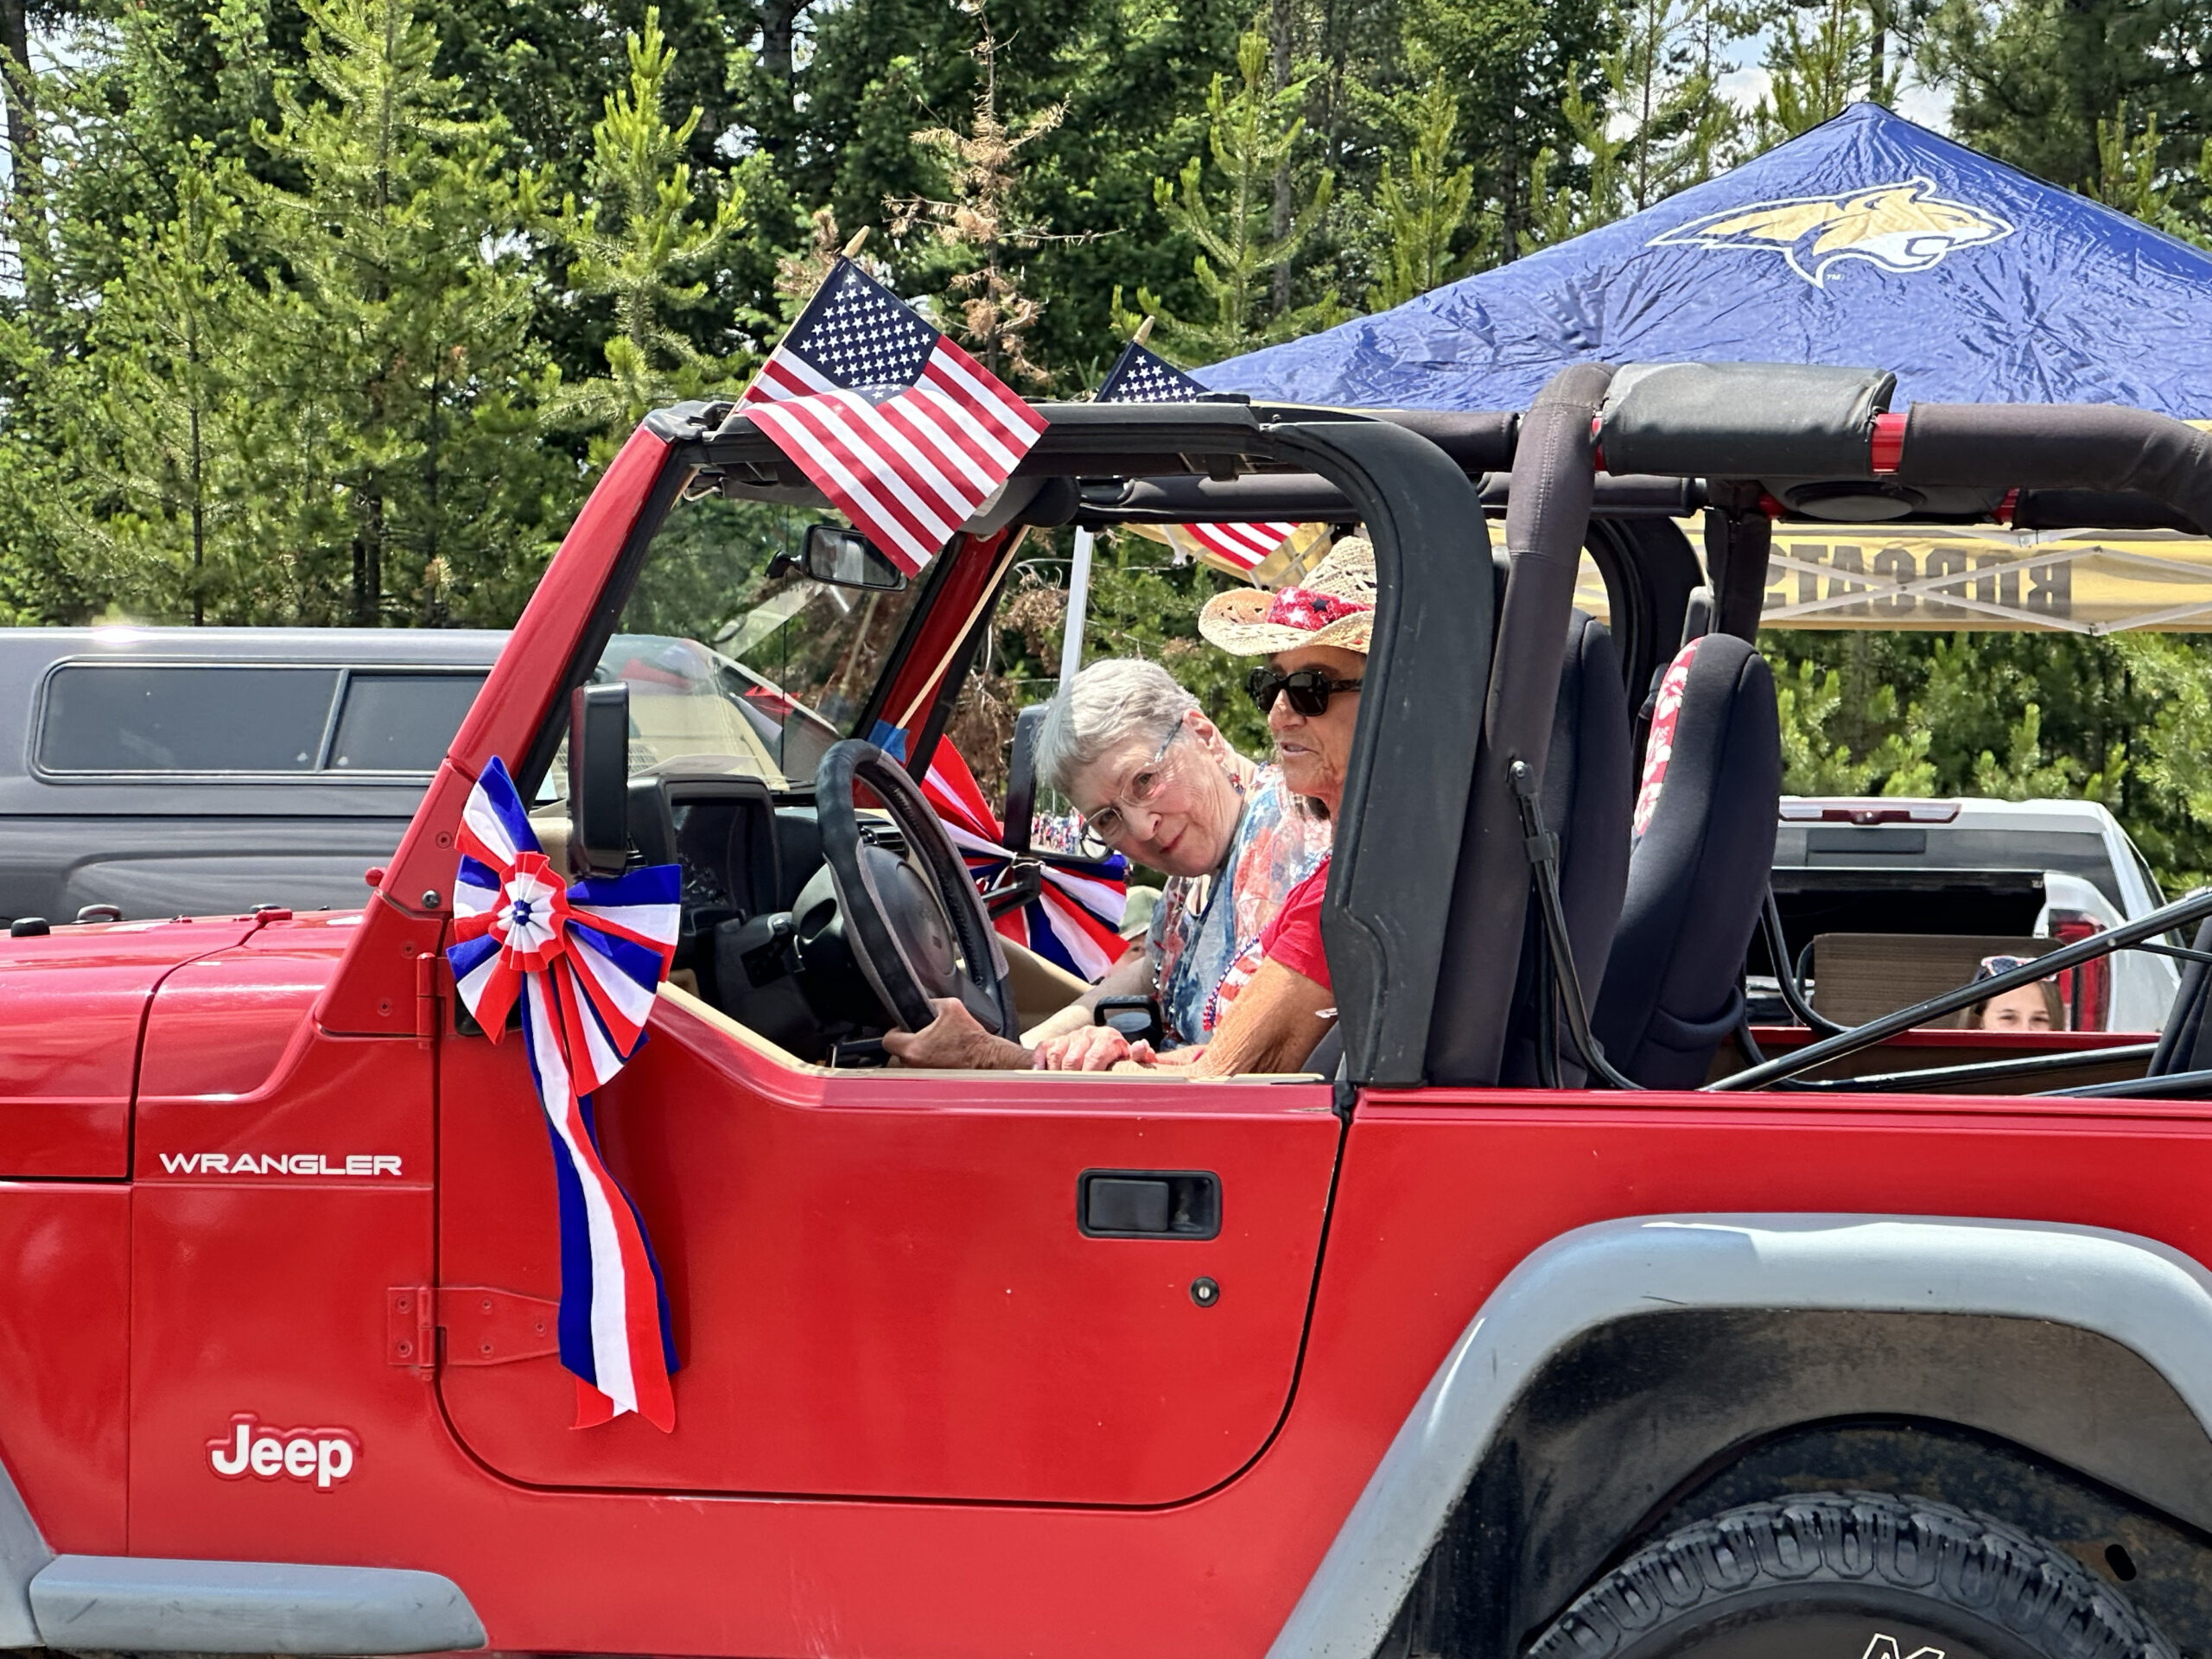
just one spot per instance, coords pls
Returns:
(955, 1040)
(1092, 1048)
(1087, 1048)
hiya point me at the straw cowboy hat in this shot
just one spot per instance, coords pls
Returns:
(1335, 605)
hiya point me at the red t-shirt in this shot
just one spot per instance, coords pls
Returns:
(1293, 938)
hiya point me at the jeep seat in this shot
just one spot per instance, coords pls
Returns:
(1702, 839)
(2186, 1043)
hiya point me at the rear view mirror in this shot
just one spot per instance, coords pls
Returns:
(599, 779)
(845, 559)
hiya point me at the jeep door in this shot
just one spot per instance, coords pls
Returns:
(882, 1282)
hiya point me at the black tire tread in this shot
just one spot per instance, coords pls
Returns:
(2016, 1582)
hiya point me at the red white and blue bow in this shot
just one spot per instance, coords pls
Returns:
(584, 962)
(1075, 920)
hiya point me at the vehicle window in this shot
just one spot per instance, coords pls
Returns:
(400, 722)
(1947, 847)
(128, 717)
(2150, 882)
(729, 663)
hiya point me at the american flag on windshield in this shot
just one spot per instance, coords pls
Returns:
(1139, 377)
(905, 432)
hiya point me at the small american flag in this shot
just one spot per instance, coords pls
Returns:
(1139, 377)
(903, 430)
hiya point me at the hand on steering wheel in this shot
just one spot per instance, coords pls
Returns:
(914, 919)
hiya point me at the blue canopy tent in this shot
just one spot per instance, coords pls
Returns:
(1867, 240)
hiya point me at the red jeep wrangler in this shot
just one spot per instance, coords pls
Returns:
(1439, 1348)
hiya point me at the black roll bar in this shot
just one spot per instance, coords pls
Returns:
(1554, 478)
(2060, 446)
(2193, 907)
(1936, 1079)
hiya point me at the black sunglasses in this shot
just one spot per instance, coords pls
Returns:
(1309, 687)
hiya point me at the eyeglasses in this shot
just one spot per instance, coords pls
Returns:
(1146, 785)
(1992, 966)
(1309, 687)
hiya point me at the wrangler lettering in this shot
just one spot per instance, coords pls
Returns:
(343, 1165)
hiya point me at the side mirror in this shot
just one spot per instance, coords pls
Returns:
(599, 779)
(1020, 815)
(845, 559)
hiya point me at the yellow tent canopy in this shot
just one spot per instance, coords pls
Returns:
(1936, 578)
(1927, 578)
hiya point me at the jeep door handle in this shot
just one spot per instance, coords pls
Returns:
(1148, 1204)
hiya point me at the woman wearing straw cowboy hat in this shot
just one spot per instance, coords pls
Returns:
(1314, 640)
(1319, 634)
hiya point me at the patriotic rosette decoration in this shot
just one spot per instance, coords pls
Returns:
(584, 963)
(1075, 920)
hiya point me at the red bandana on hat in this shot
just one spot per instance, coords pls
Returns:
(1309, 612)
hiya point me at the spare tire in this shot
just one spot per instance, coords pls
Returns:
(1837, 1575)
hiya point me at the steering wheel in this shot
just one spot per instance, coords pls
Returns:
(916, 933)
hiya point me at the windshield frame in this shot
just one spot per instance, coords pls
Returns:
(683, 466)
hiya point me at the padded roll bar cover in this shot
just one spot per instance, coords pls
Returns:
(1548, 516)
(1743, 420)
(1698, 876)
(2061, 446)
(1589, 787)
(1406, 792)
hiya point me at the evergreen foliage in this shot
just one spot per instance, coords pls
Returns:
(1242, 240)
(1419, 215)
(325, 311)
(643, 229)
(1823, 59)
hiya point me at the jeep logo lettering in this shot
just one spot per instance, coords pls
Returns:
(277, 1163)
(325, 1456)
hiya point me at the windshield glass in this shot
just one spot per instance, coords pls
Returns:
(737, 661)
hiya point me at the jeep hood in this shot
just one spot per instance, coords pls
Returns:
(74, 1008)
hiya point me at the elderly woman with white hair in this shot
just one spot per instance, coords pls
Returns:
(1156, 780)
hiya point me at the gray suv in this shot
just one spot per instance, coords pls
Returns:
(172, 772)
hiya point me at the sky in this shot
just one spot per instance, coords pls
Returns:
(1930, 106)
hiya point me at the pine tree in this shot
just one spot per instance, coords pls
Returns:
(643, 227)
(982, 225)
(411, 374)
(1657, 125)
(2032, 79)
(1251, 132)
(176, 532)
(1420, 215)
(1512, 64)
(1818, 71)
(1662, 82)
(2132, 177)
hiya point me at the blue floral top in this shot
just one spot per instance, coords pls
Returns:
(1205, 925)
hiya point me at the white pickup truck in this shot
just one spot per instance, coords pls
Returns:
(2050, 869)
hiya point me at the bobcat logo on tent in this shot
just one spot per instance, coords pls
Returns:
(1900, 227)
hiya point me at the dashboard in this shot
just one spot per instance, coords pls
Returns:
(720, 831)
